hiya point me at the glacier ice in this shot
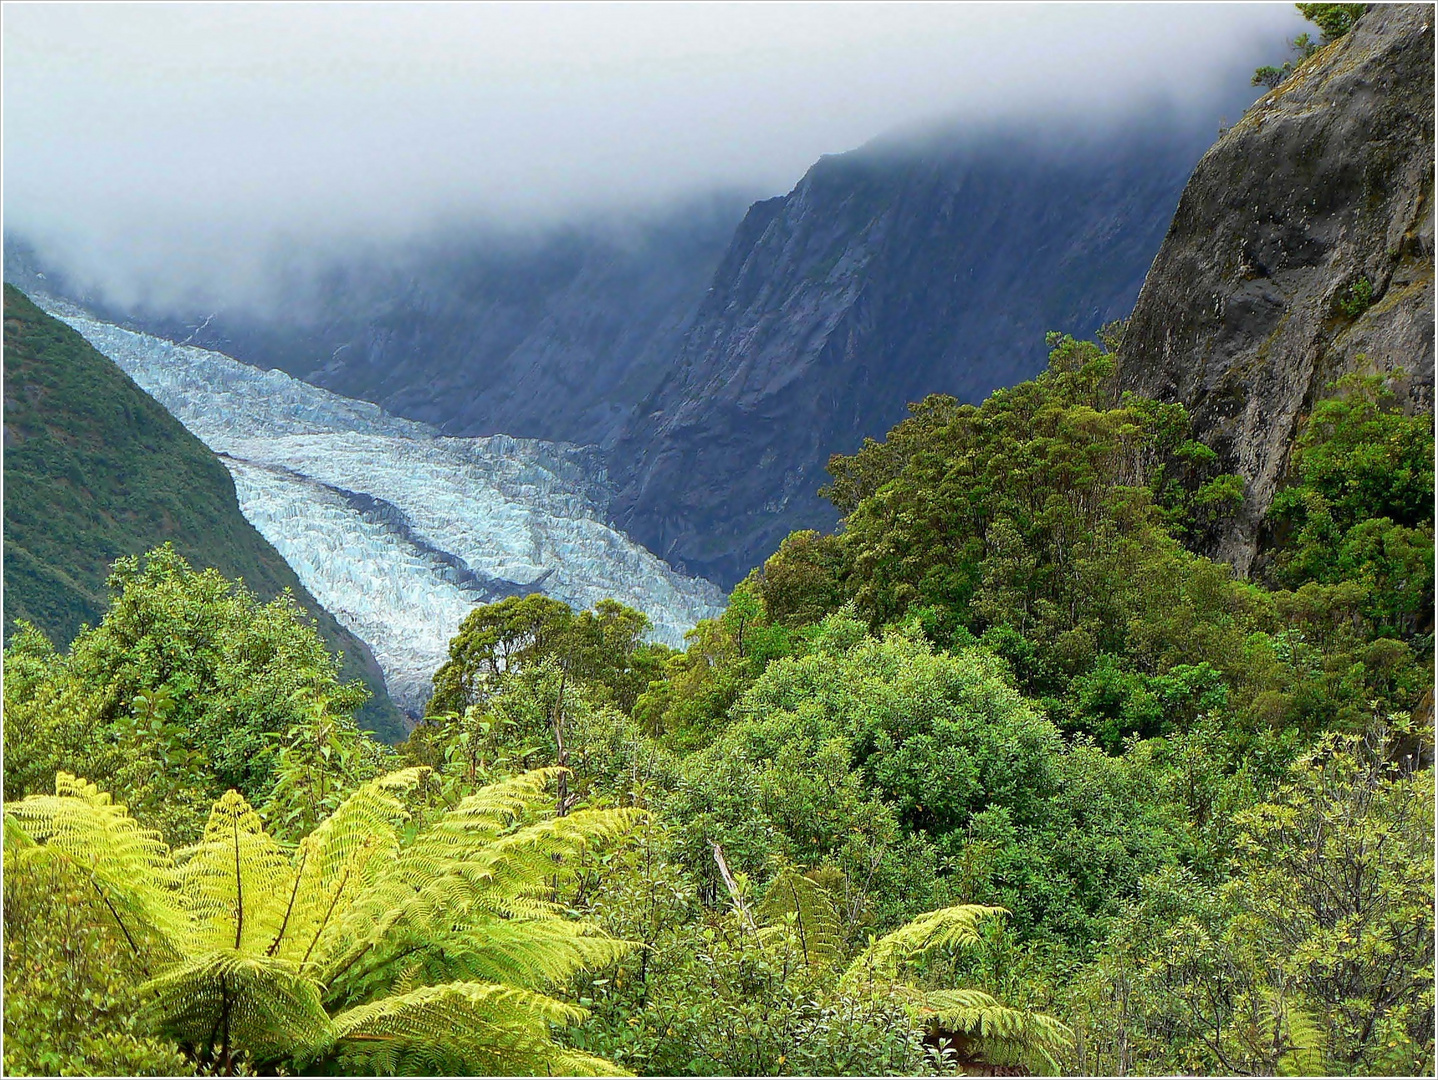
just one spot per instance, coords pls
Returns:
(395, 528)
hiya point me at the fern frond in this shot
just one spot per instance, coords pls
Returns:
(517, 953)
(1304, 1036)
(1003, 1032)
(446, 879)
(797, 902)
(131, 867)
(522, 862)
(228, 998)
(462, 1029)
(16, 838)
(235, 881)
(434, 872)
(256, 943)
(947, 928)
(370, 816)
(338, 861)
(495, 807)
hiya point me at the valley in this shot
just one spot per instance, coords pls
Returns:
(396, 529)
(969, 615)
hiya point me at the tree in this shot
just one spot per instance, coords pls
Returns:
(1031, 510)
(493, 639)
(1314, 956)
(358, 950)
(803, 581)
(1334, 20)
(184, 664)
(604, 647)
(1359, 506)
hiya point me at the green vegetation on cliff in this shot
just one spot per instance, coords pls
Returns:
(95, 469)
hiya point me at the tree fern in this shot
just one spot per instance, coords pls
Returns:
(430, 956)
(950, 927)
(795, 902)
(1004, 1035)
(462, 1028)
(975, 1023)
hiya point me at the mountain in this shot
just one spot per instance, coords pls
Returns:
(1302, 250)
(96, 469)
(888, 273)
(397, 529)
(719, 366)
(551, 334)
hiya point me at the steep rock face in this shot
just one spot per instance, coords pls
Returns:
(1321, 194)
(888, 273)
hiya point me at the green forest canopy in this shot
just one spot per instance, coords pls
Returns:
(1005, 772)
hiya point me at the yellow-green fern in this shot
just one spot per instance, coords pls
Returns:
(947, 928)
(1001, 1035)
(430, 956)
(973, 1023)
(797, 904)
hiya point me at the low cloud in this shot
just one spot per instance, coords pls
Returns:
(174, 149)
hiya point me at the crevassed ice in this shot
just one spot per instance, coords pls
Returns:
(396, 573)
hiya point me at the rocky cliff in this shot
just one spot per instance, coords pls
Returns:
(888, 273)
(1302, 250)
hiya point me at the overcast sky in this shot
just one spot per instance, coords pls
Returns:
(141, 136)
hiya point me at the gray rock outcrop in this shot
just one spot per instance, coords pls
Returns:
(1302, 250)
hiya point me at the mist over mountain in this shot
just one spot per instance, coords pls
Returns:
(545, 269)
(178, 156)
(721, 354)
(551, 334)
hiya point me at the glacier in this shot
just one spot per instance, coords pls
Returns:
(396, 528)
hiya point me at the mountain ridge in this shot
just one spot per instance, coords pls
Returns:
(886, 274)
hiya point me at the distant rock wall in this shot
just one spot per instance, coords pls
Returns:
(887, 274)
(1321, 193)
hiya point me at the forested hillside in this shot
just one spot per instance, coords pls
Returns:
(95, 469)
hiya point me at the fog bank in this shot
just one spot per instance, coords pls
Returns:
(176, 151)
